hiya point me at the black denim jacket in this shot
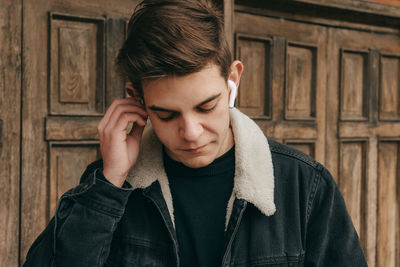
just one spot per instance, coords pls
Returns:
(98, 224)
(285, 210)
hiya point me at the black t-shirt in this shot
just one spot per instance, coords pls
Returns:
(200, 197)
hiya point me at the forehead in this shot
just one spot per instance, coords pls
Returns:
(185, 88)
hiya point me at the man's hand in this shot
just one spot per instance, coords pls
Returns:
(120, 149)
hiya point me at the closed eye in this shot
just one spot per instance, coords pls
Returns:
(206, 110)
(165, 115)
(209, 106)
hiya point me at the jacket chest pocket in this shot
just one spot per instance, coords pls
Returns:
(127, 252)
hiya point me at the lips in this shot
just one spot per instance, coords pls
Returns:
(195, 150)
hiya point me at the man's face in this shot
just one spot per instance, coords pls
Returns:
(190, 115)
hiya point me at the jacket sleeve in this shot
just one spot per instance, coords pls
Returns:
(331, 237)
(81, 231)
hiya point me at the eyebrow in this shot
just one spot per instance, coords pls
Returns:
(211, 98)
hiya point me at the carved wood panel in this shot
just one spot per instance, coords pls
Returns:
(77, 58)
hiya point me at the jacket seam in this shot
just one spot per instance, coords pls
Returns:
(295, 155)
(272, 260)
(281, 149)
(311, 198)
(99, 207)
(233, 235)
(102, 251)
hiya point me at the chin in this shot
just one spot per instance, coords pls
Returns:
(197, 162)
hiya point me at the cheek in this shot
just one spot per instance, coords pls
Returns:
(164, 131)
(219, 121)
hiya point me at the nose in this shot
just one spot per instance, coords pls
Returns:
(190, 128)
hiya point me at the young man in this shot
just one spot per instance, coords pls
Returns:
(199, 185)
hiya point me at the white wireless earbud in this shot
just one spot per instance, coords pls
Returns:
(232, 96)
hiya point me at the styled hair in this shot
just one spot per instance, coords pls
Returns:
(173, 38)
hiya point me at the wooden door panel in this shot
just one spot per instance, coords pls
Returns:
(389, 88)
(69, 80)
(352, 180)
(255, 53)
(354, 97)
(388, 223)
(306, 146)
(67, 162)
(77, 65)
(282, 86)
(300, 95)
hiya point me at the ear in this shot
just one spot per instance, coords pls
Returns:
(236, 70)
(132, 92)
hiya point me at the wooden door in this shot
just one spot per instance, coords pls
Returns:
(10, 103)
(331, 89)
(364, 136)
(68, 81)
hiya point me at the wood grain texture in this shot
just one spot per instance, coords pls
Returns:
(354, 95)
(389, 205)
(307, 148)
(352, 182)
(70, 128)
(10, 100)
(74, 64)
(363, 130)
(35, 98)
(300, 82)
(254, 98)
(62, 176)
(387, 2)
(228, 7)
(115, 83)
(362, 6)
(389, 89)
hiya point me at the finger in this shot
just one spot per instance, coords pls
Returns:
(124, 119)
(110, 111)
(121, 109)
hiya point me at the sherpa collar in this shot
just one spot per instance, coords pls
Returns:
(254, 176)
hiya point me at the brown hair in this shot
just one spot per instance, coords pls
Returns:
(173, 37)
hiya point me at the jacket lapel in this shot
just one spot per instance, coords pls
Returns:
(254, 179)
